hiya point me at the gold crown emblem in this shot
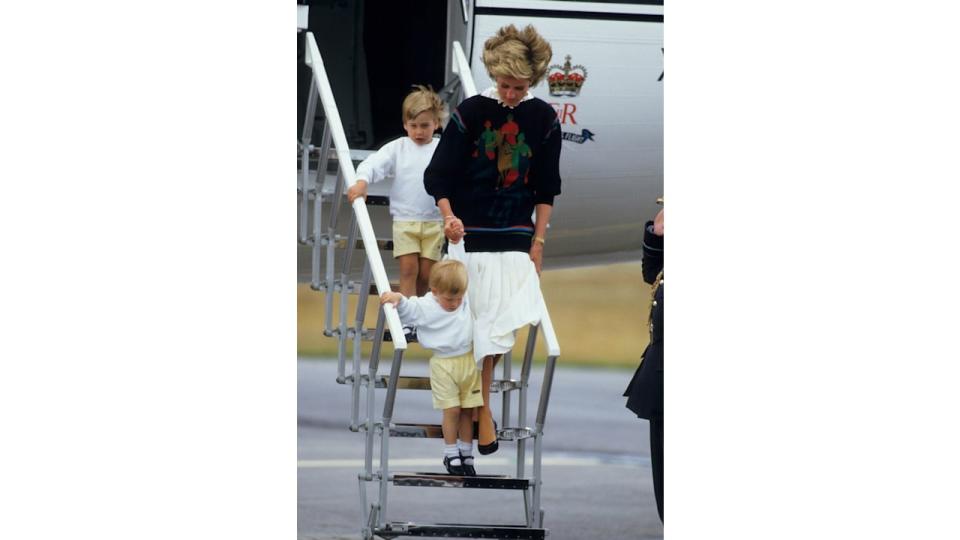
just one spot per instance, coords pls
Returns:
(566, 80)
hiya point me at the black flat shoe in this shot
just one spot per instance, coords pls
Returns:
(486, 449)
(456, 470)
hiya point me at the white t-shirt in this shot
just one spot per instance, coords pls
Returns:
(446, 333)
(403, 160)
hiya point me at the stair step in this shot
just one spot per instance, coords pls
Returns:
(434, 431)
(340, 242)
(423, 383)
(372, 200)
(403, 383)
(481, 481)
(460, 531)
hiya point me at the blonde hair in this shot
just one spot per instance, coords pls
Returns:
(449, 277)
(423, 99)
(517, 54)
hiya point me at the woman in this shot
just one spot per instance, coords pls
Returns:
(497, 164)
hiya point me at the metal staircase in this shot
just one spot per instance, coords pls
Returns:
(334, 270)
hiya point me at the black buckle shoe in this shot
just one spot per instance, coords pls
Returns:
(468, 469)
(456, 470)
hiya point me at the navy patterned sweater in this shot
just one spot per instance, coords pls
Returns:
(495, 164)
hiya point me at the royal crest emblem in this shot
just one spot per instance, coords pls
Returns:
(566, 80)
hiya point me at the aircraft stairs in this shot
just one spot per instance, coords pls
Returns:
(331, 243)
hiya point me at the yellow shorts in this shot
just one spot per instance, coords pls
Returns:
(423, 237)
(455, 382)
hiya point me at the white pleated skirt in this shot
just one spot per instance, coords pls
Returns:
(504, 295)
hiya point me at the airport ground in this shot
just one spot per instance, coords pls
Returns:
(596, 472)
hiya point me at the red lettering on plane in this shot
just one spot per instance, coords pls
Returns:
(565, 111)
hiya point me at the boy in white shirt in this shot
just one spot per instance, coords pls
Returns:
(444, 325)
(417, 225)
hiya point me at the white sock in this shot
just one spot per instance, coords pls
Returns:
(451, 451)
(466, 450)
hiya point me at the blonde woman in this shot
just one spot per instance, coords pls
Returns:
(497, 164)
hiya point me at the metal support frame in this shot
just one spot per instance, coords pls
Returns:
(305, 159)
(344, 286)
(505, 402)
(522, 406)
(385, 431)
(357, 342)
(331, 247)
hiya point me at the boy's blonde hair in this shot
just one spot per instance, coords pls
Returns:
(421, 99)
(449, 277)
(518, 54)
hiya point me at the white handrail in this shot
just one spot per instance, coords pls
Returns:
(462, 68)
(553, 346)
(315, 61)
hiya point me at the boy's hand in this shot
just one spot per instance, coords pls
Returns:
(658, 223)
(390, 298)
(359, 189)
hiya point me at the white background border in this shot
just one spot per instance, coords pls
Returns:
(148, 305)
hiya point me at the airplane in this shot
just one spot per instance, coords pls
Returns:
(605, 82)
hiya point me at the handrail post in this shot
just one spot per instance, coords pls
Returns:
(385, 432)
(305, 158)
(317, 215)
(522, 407)
(331, 247)
(357, 342)
(371, 390)
(545, 388)
(504, 395)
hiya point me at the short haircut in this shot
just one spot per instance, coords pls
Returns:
(422, 99)
(449, 277)
(517, 54)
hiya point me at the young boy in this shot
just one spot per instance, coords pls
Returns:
(417, 226)
(444, 325)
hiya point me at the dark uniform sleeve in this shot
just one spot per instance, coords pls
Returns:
(652, 253)
(450, 158)
(545, 169)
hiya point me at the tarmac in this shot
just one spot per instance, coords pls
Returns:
(596, 460)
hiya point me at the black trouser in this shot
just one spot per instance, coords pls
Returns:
(656, 460)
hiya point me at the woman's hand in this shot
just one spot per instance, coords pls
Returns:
(453, 228)
(536, 255)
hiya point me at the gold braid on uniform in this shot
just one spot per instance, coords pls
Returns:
(653, 296)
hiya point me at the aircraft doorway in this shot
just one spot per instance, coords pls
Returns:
(373, 52)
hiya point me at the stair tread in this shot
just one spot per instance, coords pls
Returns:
(397, 528)
(481, 481)
(435, 431)
(423, 383)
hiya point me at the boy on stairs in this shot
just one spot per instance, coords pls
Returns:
(444, 325)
